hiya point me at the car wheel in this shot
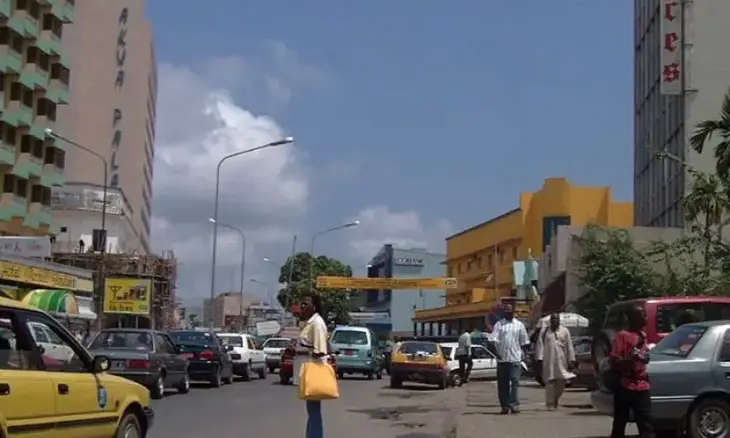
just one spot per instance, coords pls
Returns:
(262, 373)
(710, 418)
(272, 369)
(379, 374)
(395, 383)
(284, 379)
(158, 389)
(370, 376)
(217, 380)
(455, 378)
(228, 380)
(129, 427)
(444, 383)
(184, 386)
(246, 373)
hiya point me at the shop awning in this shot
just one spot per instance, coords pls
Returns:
(56, 302)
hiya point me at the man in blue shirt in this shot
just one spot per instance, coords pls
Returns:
(511, 338)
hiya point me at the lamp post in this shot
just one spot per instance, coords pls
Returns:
(281, 142)
(105, 166)
(269, 287)
(243, 267)
(311, 248)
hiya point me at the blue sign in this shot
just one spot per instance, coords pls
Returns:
(101, 397)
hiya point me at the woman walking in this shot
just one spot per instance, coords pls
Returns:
(313, 337)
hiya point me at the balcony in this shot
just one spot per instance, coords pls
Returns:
(12, 206)
(10, 60)
(62, 10)
(49, 42)
(11, 113)
(33, 77)
(52, 176)
(57, 91)
(39, 215)
(27, 166)
(5, 9)
(69, 11)
(7, 154)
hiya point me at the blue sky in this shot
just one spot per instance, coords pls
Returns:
(445, 109)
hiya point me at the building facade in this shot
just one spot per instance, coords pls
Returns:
(112, 112)
(665, 115)
(392, 311)
(485, 258)
(227, 309)
(34, 83)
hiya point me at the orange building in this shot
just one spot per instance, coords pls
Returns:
(481, 257)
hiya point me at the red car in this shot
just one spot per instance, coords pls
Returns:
(286, 369)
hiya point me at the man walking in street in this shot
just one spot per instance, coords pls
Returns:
(629, 357)
(555, 352)
(511, 338)
(463, 355)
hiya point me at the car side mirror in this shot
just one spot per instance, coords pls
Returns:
(100, 364)
(41, 349)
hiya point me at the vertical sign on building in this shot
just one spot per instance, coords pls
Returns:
(120, 56)
(671, 65)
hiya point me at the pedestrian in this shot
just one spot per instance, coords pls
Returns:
(463, 355)
(555, 353)
(629, 357)
(313, 337)
(511, 338)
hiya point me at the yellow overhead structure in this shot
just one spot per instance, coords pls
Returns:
(386, 283)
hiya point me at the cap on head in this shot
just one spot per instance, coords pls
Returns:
(508, 308)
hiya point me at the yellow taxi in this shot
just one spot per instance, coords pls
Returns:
(420, 362)
(50, 386)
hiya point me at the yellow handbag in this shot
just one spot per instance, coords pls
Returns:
(317, 381)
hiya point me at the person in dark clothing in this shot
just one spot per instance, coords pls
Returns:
(629, 357)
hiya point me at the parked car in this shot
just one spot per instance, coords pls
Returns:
(484, 363)
(689, 381)
(147, 357)
(273, 348)
(418, 361)
(246, 356)
(663, 315)
(358, 352)
(208, 359)
(286, 368)
(51, 344)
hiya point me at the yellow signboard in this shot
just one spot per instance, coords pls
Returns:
(36, 276)
(132, 296)
(385, 283)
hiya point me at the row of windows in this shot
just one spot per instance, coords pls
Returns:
(144, 214)
(477, 262)
(30, 145)
(20, 187)
(31, 53)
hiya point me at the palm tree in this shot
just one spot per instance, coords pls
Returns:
(704, 207)
(704, 131)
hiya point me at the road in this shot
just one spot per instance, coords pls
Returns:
(371, 409)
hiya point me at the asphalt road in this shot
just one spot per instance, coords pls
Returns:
(370, 409)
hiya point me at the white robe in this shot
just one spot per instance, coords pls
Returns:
(555, 350)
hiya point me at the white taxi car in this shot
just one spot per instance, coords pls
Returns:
(484, 363)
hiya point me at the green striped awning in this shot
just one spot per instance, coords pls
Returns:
(52, 301)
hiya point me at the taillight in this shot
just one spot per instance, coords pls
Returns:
(188, 355)
(207, 355)
(138, 364)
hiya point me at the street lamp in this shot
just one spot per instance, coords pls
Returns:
(281, 142)
(105, 166)
(311, 248)
(268, 286)
(243, 267)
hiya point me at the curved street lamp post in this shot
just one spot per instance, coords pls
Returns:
(243, 267)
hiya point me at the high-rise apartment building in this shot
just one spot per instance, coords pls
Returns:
(681, 73)
(111, 112)
(34, 78)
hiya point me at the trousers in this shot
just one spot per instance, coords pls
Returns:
(508, 382)
(315, 425)
(627, 402)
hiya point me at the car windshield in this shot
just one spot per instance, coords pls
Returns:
(234, 341)
(192, 338)
(430, 348)
(350, 337)
(669, 316)
(123, 340)
(681, 341)
(277, 343)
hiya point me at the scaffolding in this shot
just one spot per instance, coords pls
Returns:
(161, 270)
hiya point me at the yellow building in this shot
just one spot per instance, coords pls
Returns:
(481, 257)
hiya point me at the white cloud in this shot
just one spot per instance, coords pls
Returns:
(405, 229)
(265, 193)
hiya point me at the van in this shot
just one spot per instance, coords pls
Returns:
(357, 351)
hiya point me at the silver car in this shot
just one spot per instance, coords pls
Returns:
(690, 381)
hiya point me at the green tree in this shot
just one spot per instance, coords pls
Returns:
(720, 127)
(296, 275)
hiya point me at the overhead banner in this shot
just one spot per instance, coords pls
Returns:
(15, 272)
(132, 296)
(671, 47)
(386, 283)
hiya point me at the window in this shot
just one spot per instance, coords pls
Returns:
(163, 344)
(47, 22)
(21, 5)
(50, 155)
(34, 10)
(59, 350)
(16, 91)
(9, 183)
(235, 341)
(44, 61)
(47, 194)
(31, 55)
(349, 337)
(479, 353)
(60, 158)
(681, 341)
(37, 148)
(480, 261)
(5, 36)
(123, 339)
(16, 43)
(28, 97)
(26, 144)
(16, 349)
(725, 348)
(416, 347)
(251, 345)
(616, 318)
(672, 315)
(21, 187)
(36, 193)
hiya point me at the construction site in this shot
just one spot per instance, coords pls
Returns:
(161, 271)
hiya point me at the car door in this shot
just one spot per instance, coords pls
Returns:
(166, 356)
(83, 405)
(43, 341)
(478, 357)
(27, 398)
(258, 360)
(490, 365)
(181, 363)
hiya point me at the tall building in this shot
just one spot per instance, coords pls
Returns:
(681, 74)
(112, 113)
(34, 80)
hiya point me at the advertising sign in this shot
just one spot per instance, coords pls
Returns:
(131, 296)
(37, 276)
(386, 283)
(671, 47)
(30, 247)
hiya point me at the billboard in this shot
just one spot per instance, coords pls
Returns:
(132, 296)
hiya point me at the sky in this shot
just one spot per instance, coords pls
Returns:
(419, 118)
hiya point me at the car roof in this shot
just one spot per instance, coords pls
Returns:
(232, 334)
(129, 330)
(15, 304)
(352, 327)
(449, 344)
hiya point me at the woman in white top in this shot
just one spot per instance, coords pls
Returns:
(314, 338)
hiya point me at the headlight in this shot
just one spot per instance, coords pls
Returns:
(582, 348)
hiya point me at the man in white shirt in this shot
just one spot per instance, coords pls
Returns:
(511, 338)
(463, 355)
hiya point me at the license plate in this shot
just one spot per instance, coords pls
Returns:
(585, 367)
(118, 364)
(235, 356)
(188, 355)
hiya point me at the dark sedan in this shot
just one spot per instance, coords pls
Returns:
(147, 357)
(207, 357)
